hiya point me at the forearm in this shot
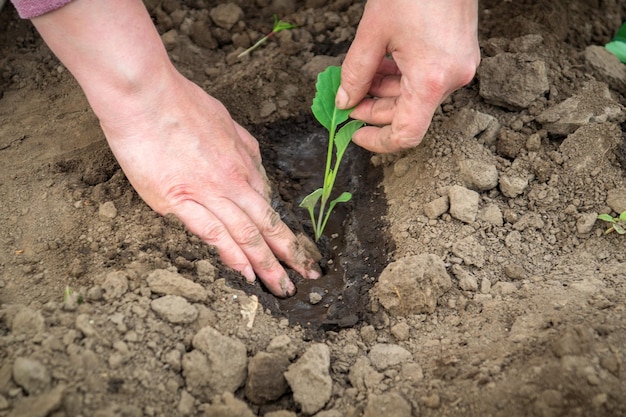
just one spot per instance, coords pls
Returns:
(111, 47)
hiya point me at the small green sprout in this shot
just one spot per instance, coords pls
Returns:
(68, 294)
(618, 224)
(330, 117)
(279, 26)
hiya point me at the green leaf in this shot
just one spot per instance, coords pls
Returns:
(622, 216)
(280, 25)
(323, 107)
(606, 218)
(617, 48)
(344, 136)
(309, 203)
(343, 198)
(311, 200)
(619, 228)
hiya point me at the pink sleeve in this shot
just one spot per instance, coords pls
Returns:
(28, 9)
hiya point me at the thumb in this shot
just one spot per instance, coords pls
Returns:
(360, 66)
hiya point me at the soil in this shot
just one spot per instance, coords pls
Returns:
(468, 276)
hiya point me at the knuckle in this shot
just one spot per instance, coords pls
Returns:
(213, 233)
(270, 266)
(273, 226)
(248, 235)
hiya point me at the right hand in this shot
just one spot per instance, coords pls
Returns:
(435, 50)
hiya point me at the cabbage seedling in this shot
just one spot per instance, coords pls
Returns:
(617, 223)
(279, 26)
(331, 118)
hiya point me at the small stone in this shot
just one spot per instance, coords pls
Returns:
(485, 286)
(315, 298)
(31, 375)
(39, 406)
(115, 285)
(463, 203)
(206, 270)
(267, 108)
(225, 15)
(216, 365)
(515, 272)
(492, 215)
(412, 285)
(186, 403)
(383, 355)
(616, 199)
(437, 207)
(309, 379)
(162, 281)
(586, 222)
(467, 281)
(83, 323)
(470, 250)
(170, 39)
(391, 404)
(266, 381)
(174, 309)
(478, 175)
(512, 186)
(401, 331)
(513, 81)
(107, 211)
(412, 372)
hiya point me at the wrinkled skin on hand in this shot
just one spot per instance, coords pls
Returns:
(207, 171)
(178, 146)
(434, 45)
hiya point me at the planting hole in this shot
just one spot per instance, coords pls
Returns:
(355, 245)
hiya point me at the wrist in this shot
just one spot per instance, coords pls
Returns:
(112, 49)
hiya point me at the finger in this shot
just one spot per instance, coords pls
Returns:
(248, 237)
(378, 111)
(202, 223)
(281, 240)
(388, 67)
(360, 65)
(385, 86)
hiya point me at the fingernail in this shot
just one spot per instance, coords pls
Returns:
(249, 274)
(314, 273)
(342, 99)
(287, 286)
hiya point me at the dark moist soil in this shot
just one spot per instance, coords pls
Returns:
(508, 302)
(355, 245)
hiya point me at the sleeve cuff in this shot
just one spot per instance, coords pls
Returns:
(27, 9)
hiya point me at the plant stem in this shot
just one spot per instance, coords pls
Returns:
(257, 44)
(329, 178)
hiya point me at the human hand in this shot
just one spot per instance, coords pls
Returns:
(179, 147)
(435, 51)
(207, 171)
